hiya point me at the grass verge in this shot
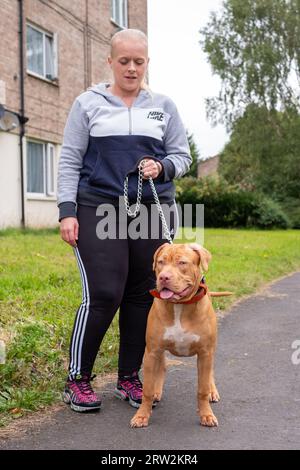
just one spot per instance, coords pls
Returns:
(40, 292)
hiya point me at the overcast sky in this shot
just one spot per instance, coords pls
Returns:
(179, 68)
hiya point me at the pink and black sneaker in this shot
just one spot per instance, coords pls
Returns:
(80, 395)
(130, 388)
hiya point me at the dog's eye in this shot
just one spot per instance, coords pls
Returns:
(181, 262)
(160, 261)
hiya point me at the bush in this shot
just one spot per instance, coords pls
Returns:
(268, 214)
(228, 206)
(291, 206)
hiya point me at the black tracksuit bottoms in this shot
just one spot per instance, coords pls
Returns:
(116, 273)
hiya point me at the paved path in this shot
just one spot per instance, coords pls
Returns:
(259, 386)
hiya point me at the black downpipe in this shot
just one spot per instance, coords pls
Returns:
(22, 108)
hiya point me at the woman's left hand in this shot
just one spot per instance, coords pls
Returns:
(151, 168)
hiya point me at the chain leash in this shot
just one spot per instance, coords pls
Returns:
(133, 213)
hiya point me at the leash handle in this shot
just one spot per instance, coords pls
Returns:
(133, 213)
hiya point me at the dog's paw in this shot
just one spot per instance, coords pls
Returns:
(139, 421)
(157, 397)
(214, 396)
(208, 420)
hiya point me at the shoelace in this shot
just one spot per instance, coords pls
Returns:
(134, 383)
(85, 386)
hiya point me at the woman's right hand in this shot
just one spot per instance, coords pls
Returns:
(69, 228)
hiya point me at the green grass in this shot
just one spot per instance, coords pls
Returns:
(40, 292)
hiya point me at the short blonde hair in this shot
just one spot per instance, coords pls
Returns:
(128, 33)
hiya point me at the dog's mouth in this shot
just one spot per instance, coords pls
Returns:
(168, 294)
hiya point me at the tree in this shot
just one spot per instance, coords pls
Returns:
(264, 154)
(195, 156)
(254, 47)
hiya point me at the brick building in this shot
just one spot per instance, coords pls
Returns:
(50, 51)
(208, 167)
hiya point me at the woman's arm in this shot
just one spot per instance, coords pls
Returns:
(178, 158)
(75, 143)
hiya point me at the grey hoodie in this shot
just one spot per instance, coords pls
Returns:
(104, 141)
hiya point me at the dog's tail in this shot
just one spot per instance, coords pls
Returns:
(220, 294)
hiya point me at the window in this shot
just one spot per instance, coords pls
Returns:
(40, 168)
(119, 13)
(41, 53)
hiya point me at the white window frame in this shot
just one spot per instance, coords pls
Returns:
(119, 9)
(54, 38)
(50, 191)
(48, 173)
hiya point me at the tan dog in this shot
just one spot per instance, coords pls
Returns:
(183, 322)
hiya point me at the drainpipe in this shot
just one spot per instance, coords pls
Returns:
(87, 48)
(22, 107)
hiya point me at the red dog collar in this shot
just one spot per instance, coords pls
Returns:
(202, 291)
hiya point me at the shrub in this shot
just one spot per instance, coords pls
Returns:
(291, 206)
(228, 206)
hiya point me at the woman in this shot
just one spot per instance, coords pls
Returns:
(111, 128)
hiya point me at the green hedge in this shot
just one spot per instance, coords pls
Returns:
(291, 206)
(228, 206)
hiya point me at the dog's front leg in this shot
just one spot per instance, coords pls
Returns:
(150, 370)
(160, 379)
(205, 365)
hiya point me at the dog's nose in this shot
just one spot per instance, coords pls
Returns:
(164, 277)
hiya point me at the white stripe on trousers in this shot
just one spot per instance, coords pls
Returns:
(80, 323)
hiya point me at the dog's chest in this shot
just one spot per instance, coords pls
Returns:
(180, 338)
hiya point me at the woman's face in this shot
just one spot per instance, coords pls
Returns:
(129, 63)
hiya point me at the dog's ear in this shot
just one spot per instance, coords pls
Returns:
(156, 254)
(204, 255)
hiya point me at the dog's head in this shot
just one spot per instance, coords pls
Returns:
(178, 269)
